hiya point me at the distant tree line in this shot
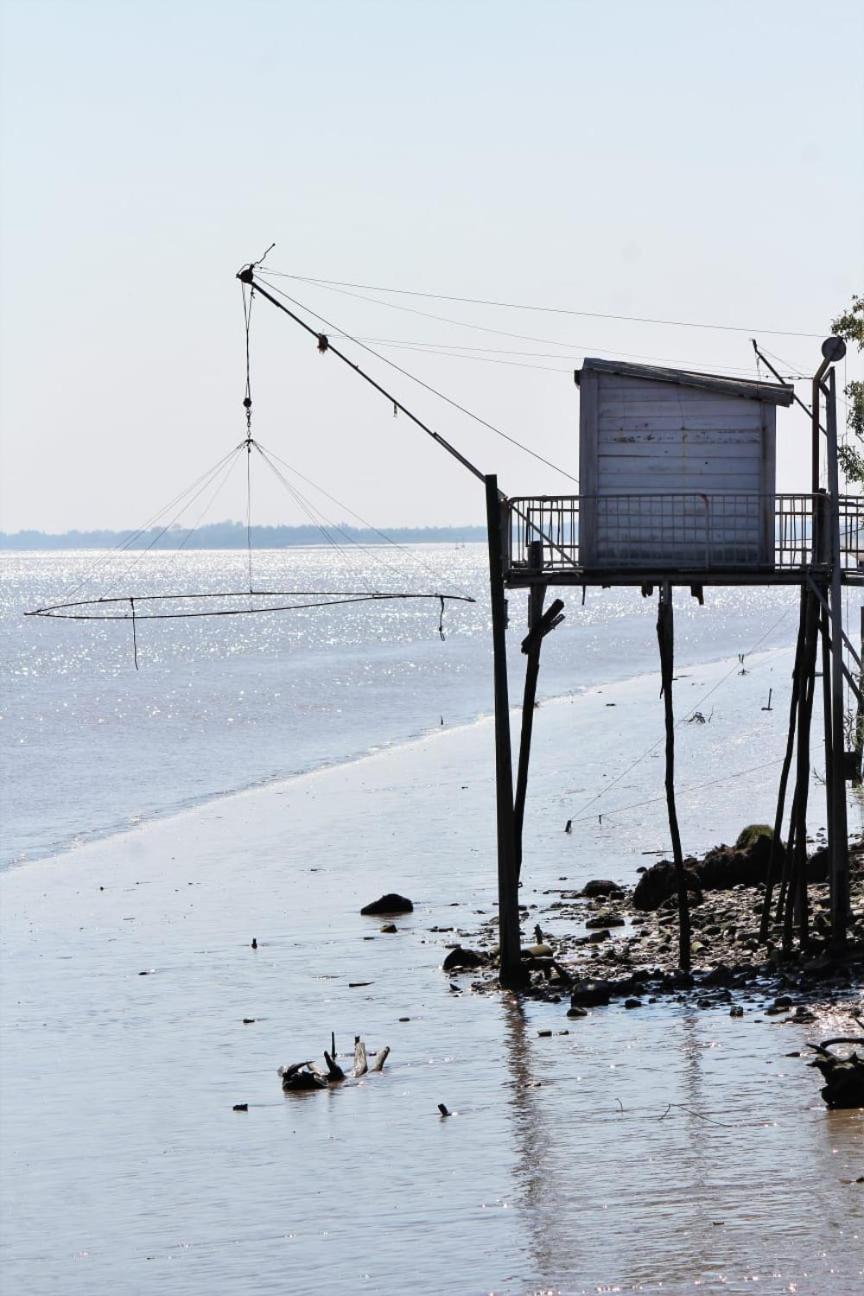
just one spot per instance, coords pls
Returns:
(232, 535)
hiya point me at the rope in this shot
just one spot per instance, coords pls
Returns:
(685, 718)
(694, 787)
(427, 387)
(451, 350)
(226, 467)
(125, 544)
(546, 310)
(382, 535)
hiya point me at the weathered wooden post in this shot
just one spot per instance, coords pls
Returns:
(666, 640)
(777, 838)
(859, 715)
(796, 896)
(512, 974)
(840, 851)
(536, 596)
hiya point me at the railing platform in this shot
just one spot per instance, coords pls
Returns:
(639, 539)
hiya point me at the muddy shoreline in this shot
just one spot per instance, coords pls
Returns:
(616, 951)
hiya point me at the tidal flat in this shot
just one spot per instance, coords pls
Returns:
(670, 1148)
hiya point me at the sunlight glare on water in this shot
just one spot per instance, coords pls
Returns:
(661, 1150)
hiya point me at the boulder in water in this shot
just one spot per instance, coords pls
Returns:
(462, 958)
(391, 903)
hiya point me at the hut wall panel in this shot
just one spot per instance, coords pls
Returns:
(658, 439)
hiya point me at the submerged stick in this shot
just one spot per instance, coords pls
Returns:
(334, 1071)
(381, 1058)
(361, 1066)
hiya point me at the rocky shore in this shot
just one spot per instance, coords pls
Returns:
(623, 945)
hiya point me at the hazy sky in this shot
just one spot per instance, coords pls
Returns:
(694, 161)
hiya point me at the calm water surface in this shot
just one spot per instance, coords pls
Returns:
(91, 745)
(657, 1150)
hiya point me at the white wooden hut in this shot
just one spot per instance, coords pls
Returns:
(676, 469)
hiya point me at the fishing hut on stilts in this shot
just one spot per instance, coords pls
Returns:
(679, 490)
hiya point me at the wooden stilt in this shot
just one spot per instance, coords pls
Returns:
(666, 640)
(828, 726)
(859, 714)
(796, 895)
(536, 596)
(776, 840)
(512, 974)
(786, 874)
(840, 851)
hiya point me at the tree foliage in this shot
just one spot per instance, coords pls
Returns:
(850, 326)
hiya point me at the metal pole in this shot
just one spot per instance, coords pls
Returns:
(814, 427)
(840, 853)
(512, 974)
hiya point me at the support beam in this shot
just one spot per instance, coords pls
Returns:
(828, 726)
(859, 714)
(840, 851)
(536, 596)
(796, 896)
(666, 640)
(512, 974)
(776, 840)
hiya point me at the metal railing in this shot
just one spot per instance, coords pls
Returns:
(657, 531)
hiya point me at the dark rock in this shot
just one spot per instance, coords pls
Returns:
(300, 1077)
(753, 833)
(658, 883)
(632, 1003)
(601, 887)
(722, 869)
(590, 994)
(726, 867)
(389, 928)
(462, 958)
(844, 1078)
(575, 1010)
(240, 1107)
(389, 904)
(603, 934)
(736, 1011)
(605, 920)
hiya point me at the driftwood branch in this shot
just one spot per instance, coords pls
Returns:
(361, 1066)
(380, 1059)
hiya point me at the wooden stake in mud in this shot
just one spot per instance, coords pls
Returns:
(536, 596)
(840, 847)
(796, 895)
(540, 623)
(776, 840)
(666, 640)
(512, 974)
(859, 715)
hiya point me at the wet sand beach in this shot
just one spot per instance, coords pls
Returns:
(662, 1149)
